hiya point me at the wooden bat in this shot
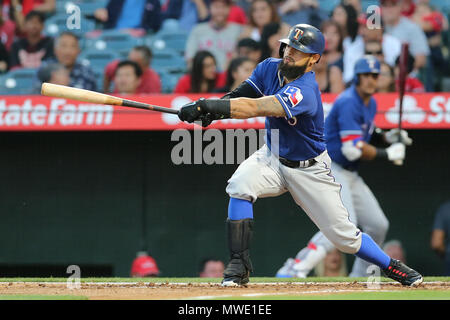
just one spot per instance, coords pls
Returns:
(403, 73)
(59, 91)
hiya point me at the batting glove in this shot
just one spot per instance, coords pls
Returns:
(392, 136)
(396, 151)
(192, 111)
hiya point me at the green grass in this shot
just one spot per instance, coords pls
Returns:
(397, 295)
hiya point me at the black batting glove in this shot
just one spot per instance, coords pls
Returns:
(192, 111)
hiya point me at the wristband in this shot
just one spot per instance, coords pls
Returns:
(221, 108)
(381, 154)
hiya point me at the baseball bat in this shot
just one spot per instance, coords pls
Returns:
(403, 73)
(60, 91)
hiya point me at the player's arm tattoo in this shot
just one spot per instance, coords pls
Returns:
(269, 106)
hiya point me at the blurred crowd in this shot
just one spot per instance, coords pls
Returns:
(199, 46)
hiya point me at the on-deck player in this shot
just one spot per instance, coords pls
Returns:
(294, 158)
(348, 131)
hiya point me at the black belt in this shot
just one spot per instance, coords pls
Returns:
(298, 163)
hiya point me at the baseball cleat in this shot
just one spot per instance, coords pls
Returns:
(235, 274)
(286, 270)
(398, 271)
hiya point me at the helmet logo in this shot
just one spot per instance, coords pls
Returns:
(298, 34)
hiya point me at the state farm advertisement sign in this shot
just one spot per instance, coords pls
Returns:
(38, 113)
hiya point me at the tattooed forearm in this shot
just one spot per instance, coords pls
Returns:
(243, 108)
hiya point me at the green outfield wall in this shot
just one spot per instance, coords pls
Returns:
(83, 198)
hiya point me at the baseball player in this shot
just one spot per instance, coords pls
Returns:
(348, 130)
(294, 158)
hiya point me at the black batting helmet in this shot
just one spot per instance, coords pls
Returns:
(305, 38)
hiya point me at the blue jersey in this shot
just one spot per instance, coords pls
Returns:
(349, 120)
(301, 132)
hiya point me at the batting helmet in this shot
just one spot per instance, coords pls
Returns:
(305, 38)
(366, 64)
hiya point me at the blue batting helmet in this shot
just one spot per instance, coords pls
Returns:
(305, 38)
(366, 64)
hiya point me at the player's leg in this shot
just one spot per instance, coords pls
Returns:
(315, 190)
(317, 248)
(371, 219)
(254, 178)
(307, 258)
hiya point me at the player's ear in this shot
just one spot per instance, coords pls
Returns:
(315, 59)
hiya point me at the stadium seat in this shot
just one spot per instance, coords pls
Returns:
(169, 81)
(97, 59)
(18, 81)
(88, 7)
(168, 60)
(328, 5)
(168, 40)
(58, 23)
(113, 41)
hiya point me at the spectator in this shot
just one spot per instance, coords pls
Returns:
(237, 14)
(374, 48)
(67, 49)
(211, 268)
(144, 266)
(150, 81)
(355, 4)
(30, 51)
(203, 76)
(4, 59)
(408, 8)
(386, 79)
(328, 77)
(406, 31)
(270, 44)
(440, 236)
(250, 48)
(7, 30)
(412, 84)
(127, 77)
(130, 14)
(217, 36)
(306, 11)
(433, 23)
(391, 46)
(52, 73)
(19, 9)
(346, 17)
(333, 63)
(262, 12)
(333, 265)
(187, 12)
(239, 70)
(394, 249)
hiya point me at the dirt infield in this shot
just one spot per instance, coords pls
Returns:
(174, 291)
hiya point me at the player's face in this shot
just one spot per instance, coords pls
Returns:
(368, 83)
(294, 57)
